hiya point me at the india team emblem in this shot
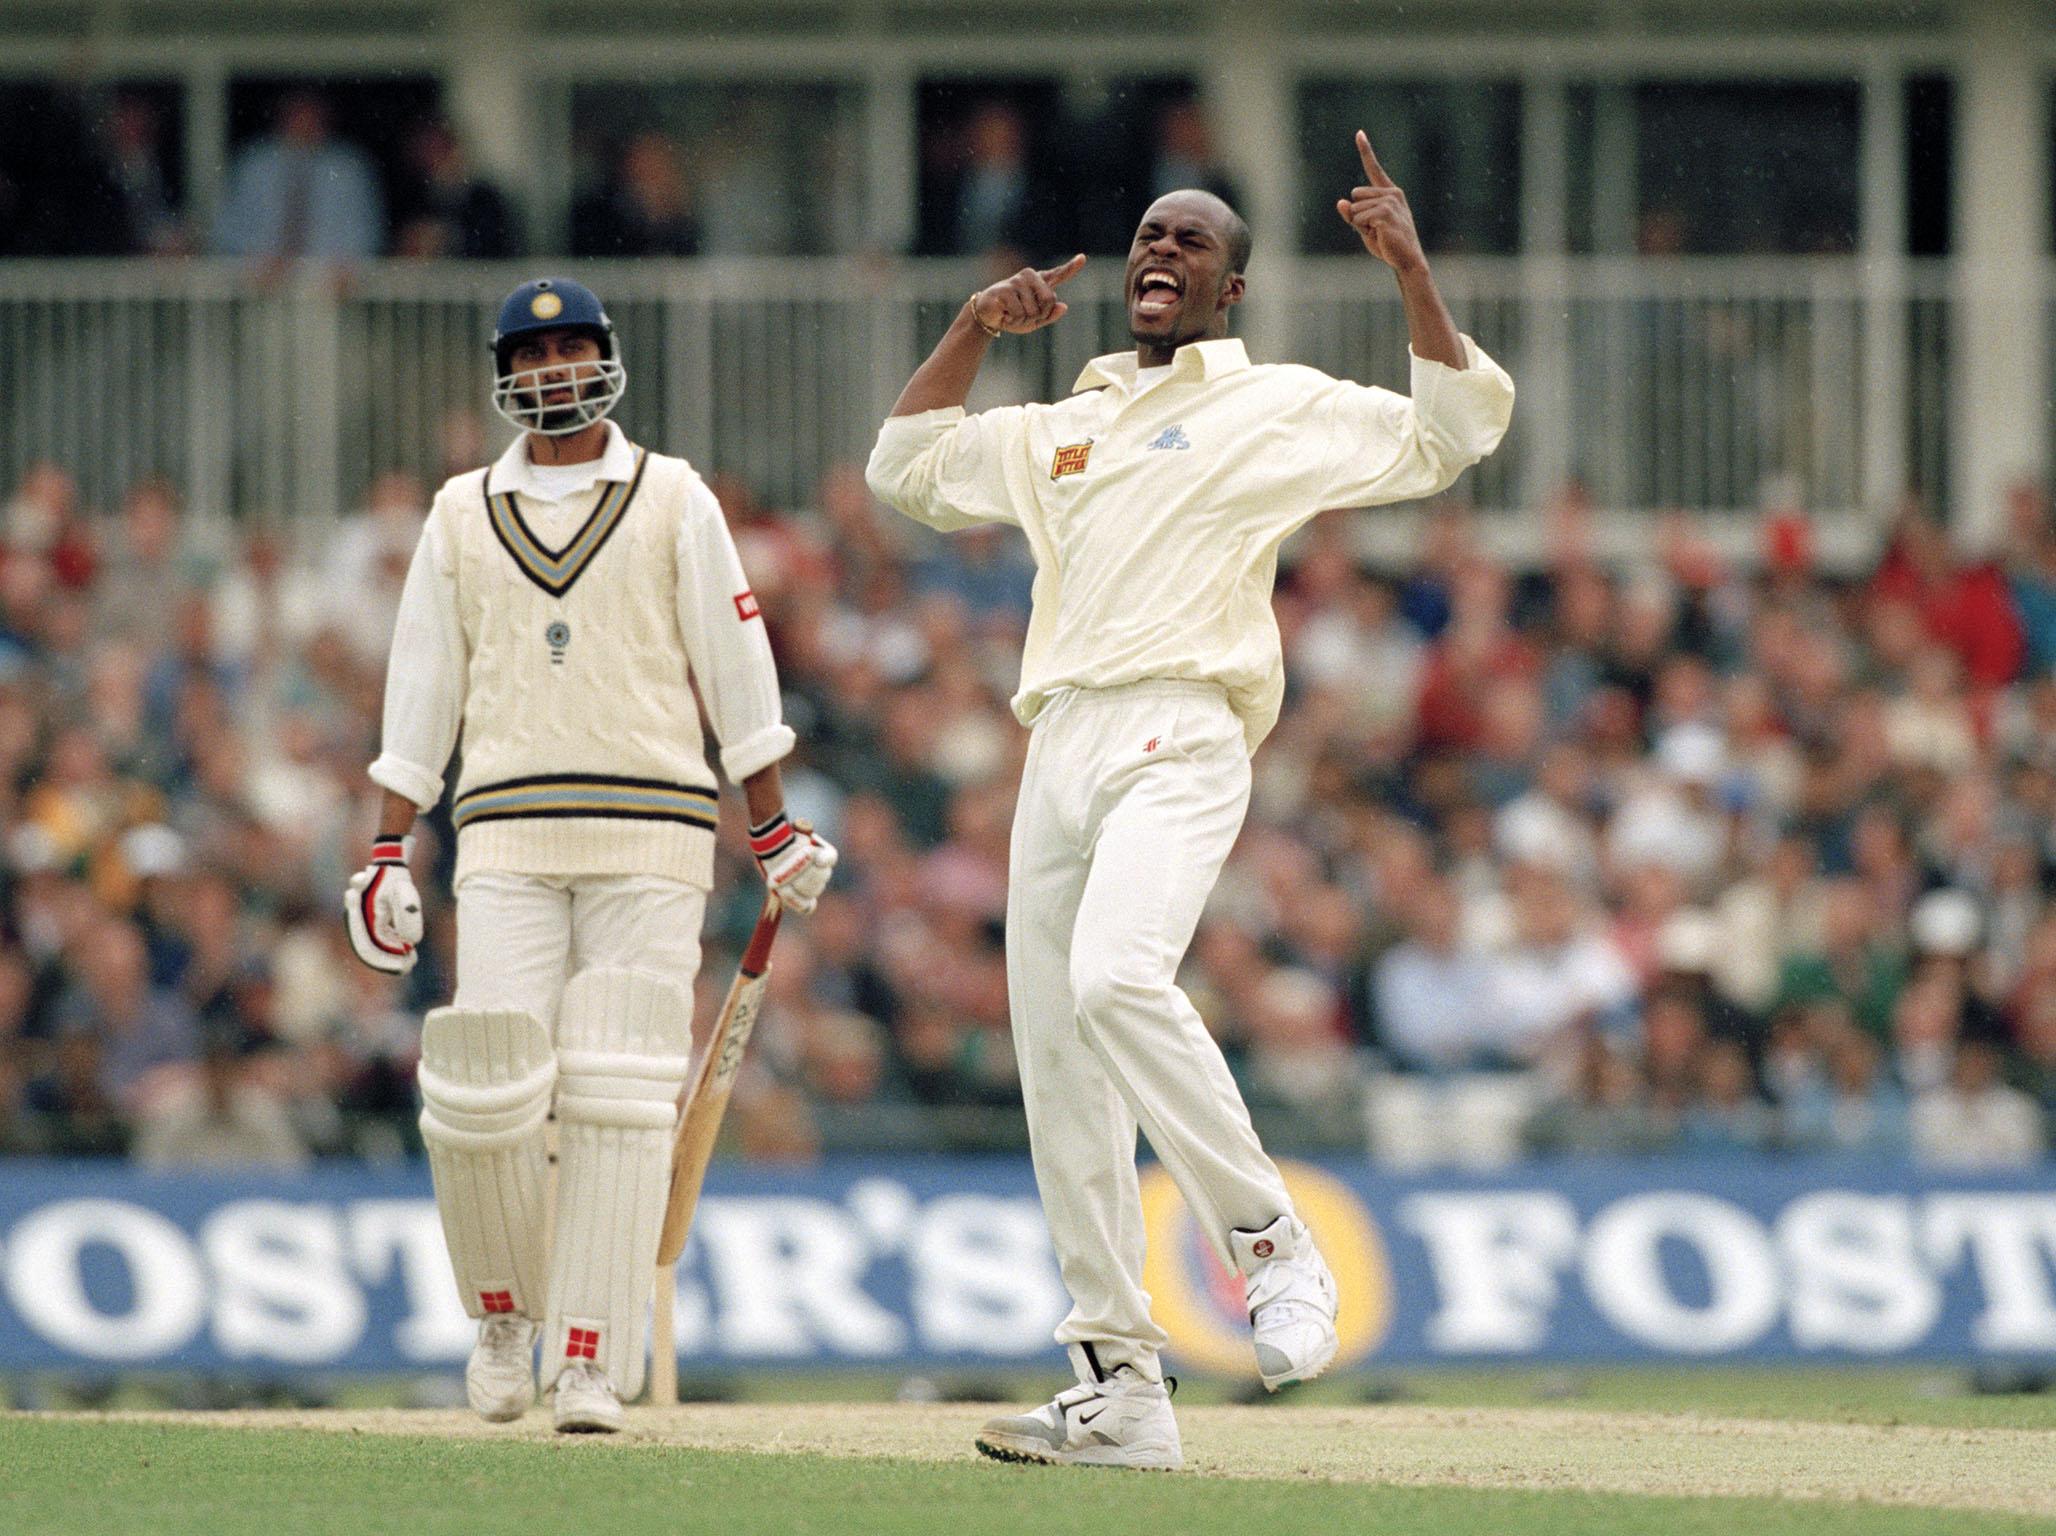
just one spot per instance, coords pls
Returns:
(546, 306)
(557, 637)
(1070, 459)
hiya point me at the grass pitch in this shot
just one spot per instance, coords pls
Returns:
(1823, 1457)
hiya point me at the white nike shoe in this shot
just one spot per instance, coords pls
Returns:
(500, 1378)
(1122, 1421)
(1291, 1301)
(586, 1401)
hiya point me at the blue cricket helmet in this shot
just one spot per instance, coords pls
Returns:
(554, 304)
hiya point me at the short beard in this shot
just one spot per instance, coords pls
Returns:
(553, 417)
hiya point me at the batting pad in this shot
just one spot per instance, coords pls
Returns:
(486, 1077)
(624, 1040)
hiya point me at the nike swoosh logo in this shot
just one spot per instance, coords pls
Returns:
(1087, 1418)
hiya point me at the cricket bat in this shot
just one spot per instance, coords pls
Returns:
(699, 1123)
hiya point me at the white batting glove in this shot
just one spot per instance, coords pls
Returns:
(796, 862)
(383, 910)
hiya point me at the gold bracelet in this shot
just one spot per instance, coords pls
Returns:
(995, 332)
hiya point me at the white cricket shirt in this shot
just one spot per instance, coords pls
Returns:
(561, 620)
(1155, 518)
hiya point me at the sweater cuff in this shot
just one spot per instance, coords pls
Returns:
(755, 753)
(407, 780)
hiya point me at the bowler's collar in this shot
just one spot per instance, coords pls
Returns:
(1206, 359)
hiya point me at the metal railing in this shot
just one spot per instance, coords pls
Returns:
(1662, 384)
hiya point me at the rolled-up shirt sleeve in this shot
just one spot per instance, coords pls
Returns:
(949, 470)
(424, 692)
(726, 642)
(1384, 447)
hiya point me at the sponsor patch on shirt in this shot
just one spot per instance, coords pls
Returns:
(1070, 459)
(746, 606)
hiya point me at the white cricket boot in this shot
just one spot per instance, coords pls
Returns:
(1122, 1419)
(1291, 1301)
(586, 1401)
(500, 1378)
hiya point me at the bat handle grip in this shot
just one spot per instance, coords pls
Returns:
(756, 959)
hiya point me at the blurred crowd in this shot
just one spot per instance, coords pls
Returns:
(1683, 856)
(101, 173)
(91, 173)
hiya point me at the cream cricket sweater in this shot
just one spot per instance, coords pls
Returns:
(1155, 516)
(564, 638)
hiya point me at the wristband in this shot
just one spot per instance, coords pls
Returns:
(771, 838)
(995, 332)
(391, 850)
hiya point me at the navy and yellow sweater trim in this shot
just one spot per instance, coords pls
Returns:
(555, 570)
(555, 797)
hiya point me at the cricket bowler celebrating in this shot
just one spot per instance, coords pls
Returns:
(1154, 501)
(560, 608)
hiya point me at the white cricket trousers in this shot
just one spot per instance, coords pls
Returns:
(521, 937)
(1130, 801)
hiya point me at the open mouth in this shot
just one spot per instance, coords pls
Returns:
(1157, 292)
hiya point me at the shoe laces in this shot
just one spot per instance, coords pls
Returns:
(504, 1330)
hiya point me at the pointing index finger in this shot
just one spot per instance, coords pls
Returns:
(1372, 169)
(1066, 272)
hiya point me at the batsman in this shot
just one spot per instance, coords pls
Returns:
(561, 607)
(1154, 500)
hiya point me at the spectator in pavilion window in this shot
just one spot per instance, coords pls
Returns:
(132, 150)
(132, 159)
(300, 195)
(449, 211)
(645, 207)
(992, 193)
(1185, 155)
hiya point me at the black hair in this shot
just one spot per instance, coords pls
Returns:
(1239, 242)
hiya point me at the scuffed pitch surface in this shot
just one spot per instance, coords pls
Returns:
(2001, 1470)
